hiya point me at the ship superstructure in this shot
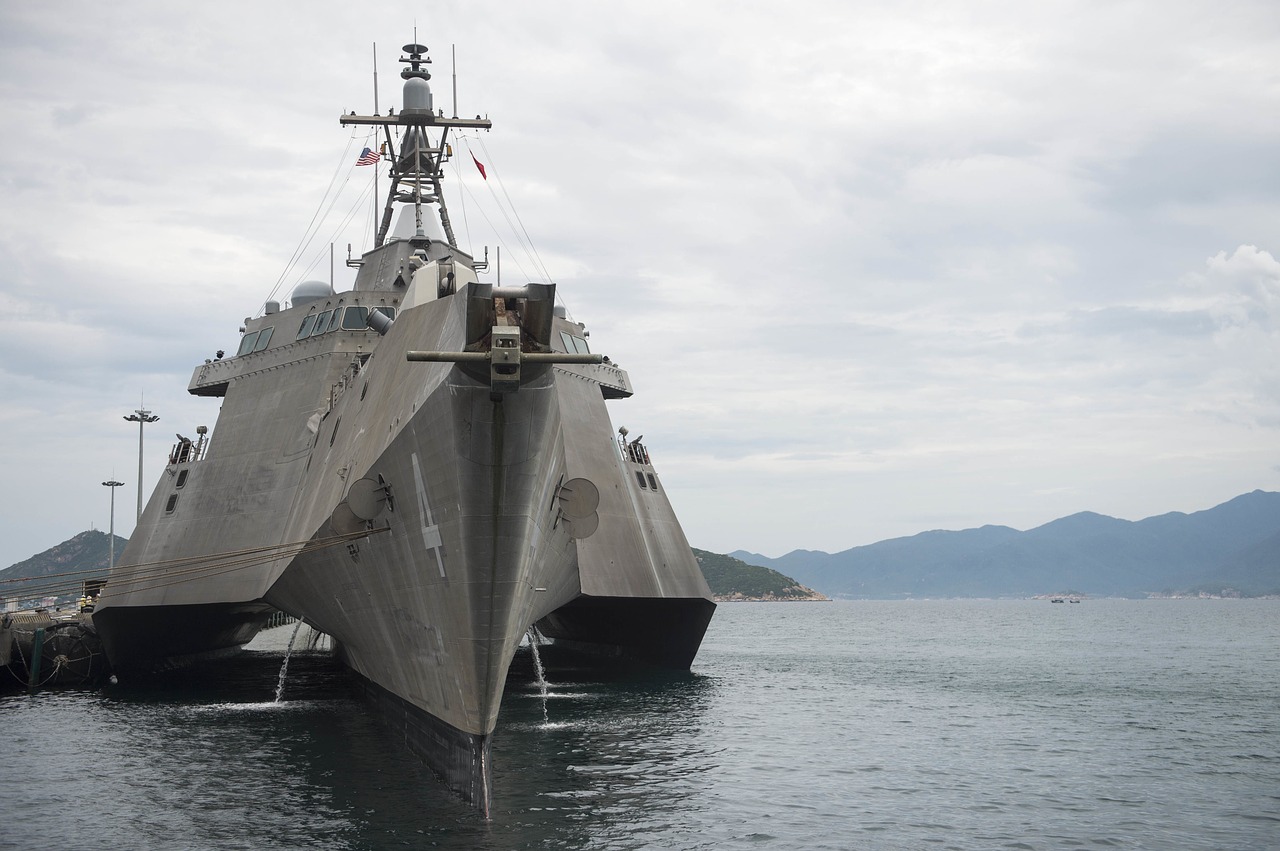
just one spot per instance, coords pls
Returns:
(423, 468)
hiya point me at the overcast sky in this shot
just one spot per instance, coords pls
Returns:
(873, 270)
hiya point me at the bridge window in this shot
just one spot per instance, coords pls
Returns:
(355, 318)
(303, 331)
(264, 337)
(246, 343)
(640, 478)
(322, 323)
(574, 344)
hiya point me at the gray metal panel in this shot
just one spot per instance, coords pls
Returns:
(434, 607)
(639, 549)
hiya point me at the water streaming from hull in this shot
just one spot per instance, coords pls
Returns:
(539, 672)
(284, 668)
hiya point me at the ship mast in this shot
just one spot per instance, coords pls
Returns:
(418, 165)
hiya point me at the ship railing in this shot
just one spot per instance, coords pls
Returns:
(634, 451)
(187, 450)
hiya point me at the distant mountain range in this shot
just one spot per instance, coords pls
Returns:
(59, 571)
(1230, 550)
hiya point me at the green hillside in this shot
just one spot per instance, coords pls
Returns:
(59, 572)
(732, 579)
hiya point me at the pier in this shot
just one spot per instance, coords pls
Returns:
(60, 649)
(42, 649)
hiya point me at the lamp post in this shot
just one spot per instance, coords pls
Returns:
(113, 484)
(141, 416)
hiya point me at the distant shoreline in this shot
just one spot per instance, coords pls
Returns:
(739, 598)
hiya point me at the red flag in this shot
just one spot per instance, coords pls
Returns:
(479, 166)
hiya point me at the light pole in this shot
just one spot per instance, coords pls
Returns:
(113, 484)
(141, 416)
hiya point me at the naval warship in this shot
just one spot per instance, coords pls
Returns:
(424, 469)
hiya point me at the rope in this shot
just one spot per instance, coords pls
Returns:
(462, 202)
(26, 666)
(309, 234)
(218, 569)
(527, 249)
(497, 234)
(14, 674)
(466, 192)
(18, 647)
(342, 225)
(190, 568)
(320, 255)
(527, 239)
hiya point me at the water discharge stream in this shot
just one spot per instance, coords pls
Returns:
(284, 668)
(541, 674)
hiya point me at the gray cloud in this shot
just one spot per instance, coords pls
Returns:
(873, 269)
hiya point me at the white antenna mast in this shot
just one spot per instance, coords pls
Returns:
(375, 137)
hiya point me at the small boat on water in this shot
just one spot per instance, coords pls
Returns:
(423, 468)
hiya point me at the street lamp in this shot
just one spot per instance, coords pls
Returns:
(113, 484)
(141, 416)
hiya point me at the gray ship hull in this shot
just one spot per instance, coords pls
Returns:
(469, 547)
(424, 469)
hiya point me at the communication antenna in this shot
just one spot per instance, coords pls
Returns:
(375, 136)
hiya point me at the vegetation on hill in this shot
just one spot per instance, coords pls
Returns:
(59, 572)
(732, 579)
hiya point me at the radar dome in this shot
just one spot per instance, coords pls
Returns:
(309, 291)
(417, 96)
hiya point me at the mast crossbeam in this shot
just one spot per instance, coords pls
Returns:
(414, 121)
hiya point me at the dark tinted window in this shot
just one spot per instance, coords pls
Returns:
(322, 323)
(246, 343)
(353, 319)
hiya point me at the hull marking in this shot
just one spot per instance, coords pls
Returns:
(431, 539)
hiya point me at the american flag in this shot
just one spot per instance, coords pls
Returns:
(368, 157)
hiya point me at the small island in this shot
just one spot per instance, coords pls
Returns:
(733, 580)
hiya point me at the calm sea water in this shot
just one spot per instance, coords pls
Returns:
(878, 725)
